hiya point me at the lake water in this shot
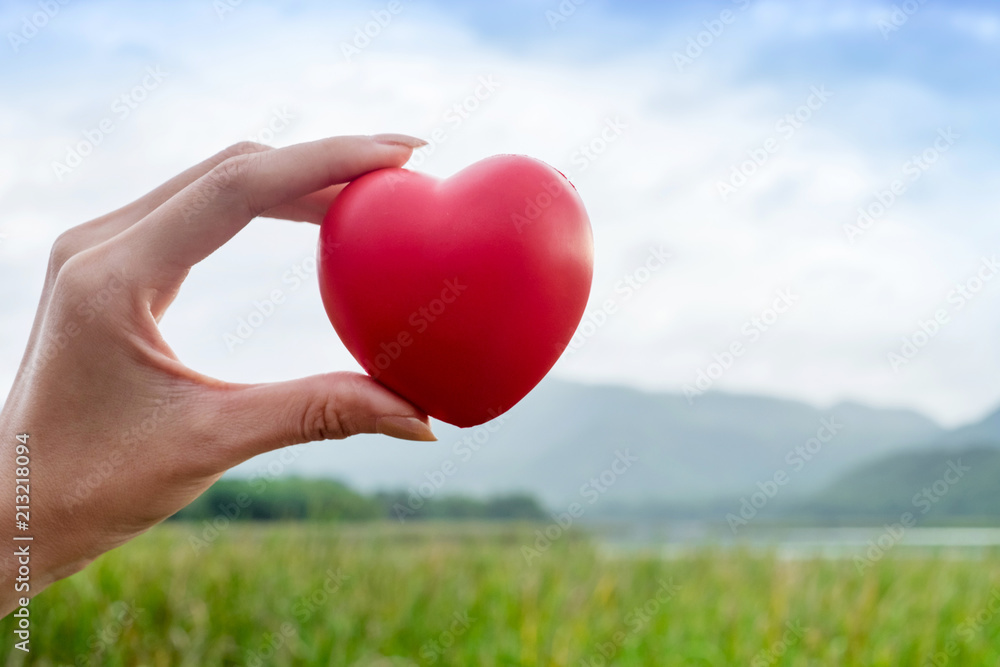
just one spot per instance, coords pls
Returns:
(679, 539)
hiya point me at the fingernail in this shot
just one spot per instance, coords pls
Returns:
(405, 428)
(399, 140)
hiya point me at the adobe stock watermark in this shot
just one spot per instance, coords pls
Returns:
(924, 500)
(223, 8)
(432, 650)
(590, 491)
(551, 190)
(796, 459)
(751, 331)
(784, 128)
(365, 35)
(589, 152)
(563, 12)
(704, 39)
(306, 606)
(263, 309)
(912, 170)
(35, 22)
(455, 116)
(624, 289)
(280, 120)
(272, 466)
(898, 16)
(635, 620)
(967, 630)
(91, 477)
(200, 198)
(304, 609)
(420, 320)
(773, 654)
(228, 512)
(52, 343)
(122, 107)
(473, 440)
(957, 299)
(123, 617)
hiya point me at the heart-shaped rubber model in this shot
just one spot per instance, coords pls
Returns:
(458, 294)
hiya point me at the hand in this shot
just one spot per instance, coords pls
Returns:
(122, 434)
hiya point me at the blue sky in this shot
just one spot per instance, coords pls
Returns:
(657, 182)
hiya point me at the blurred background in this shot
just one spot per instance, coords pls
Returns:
(812, 182)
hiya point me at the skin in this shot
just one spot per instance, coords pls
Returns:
(121, 433)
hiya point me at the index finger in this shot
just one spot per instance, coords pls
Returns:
(195, 222)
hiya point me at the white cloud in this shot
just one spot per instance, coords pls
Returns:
(657, 183)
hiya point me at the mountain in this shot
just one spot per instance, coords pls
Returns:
(563, 435)
(954, 476)
(942, 482)
(985, 432)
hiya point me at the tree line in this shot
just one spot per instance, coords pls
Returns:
(296, 498)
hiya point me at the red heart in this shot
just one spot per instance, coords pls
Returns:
(458, 294)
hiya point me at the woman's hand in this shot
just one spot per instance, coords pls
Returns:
(121, 434)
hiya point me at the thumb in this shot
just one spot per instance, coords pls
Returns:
(321, 407)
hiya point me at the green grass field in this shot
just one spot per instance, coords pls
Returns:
(463, 594)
